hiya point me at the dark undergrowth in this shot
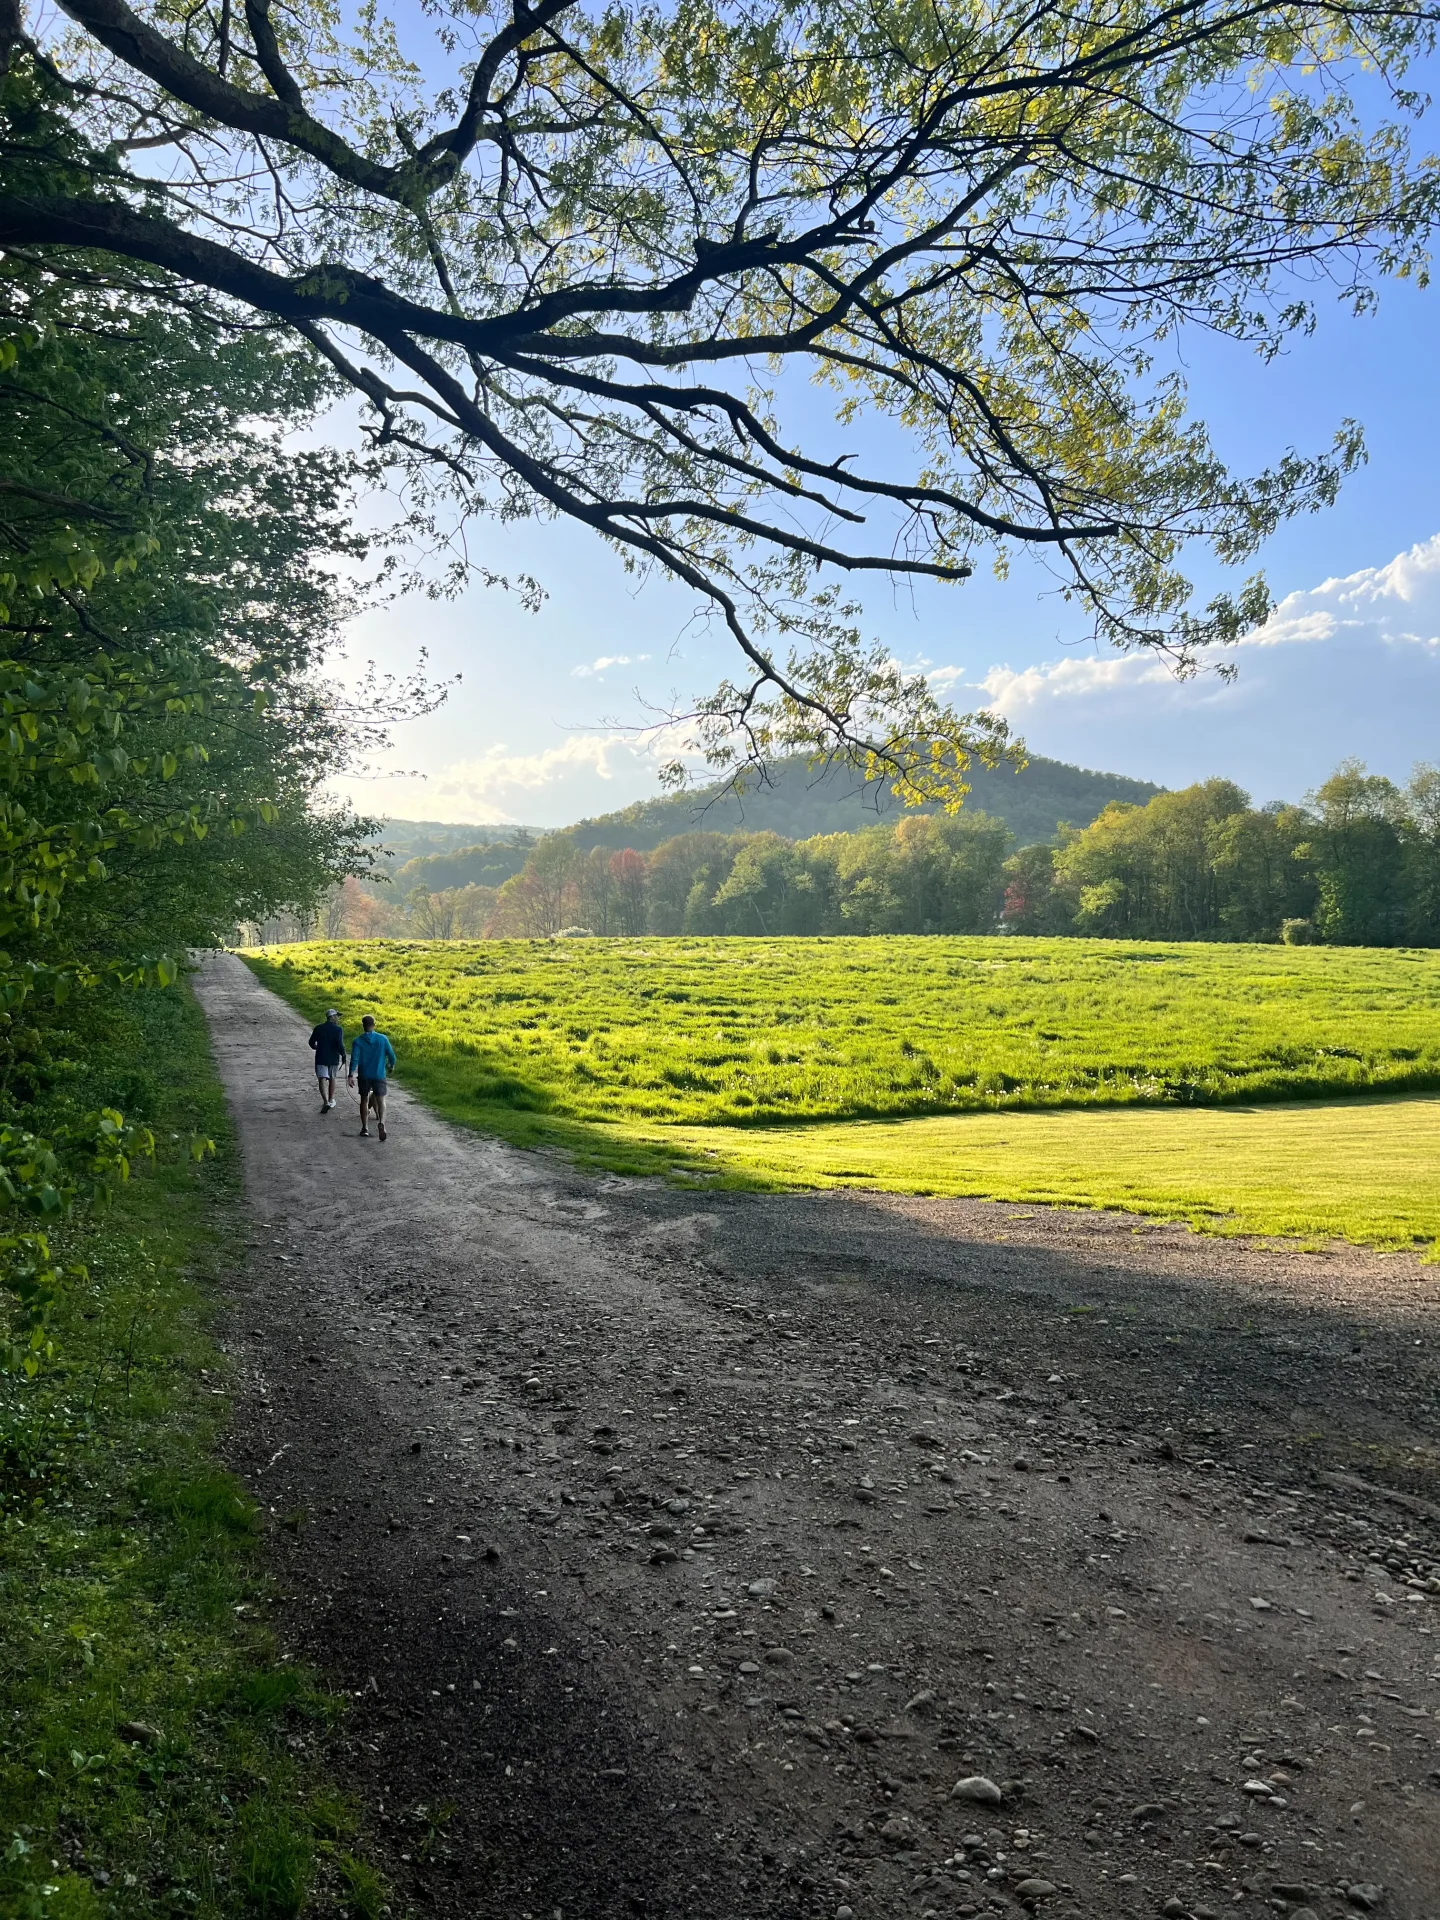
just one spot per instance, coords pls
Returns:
(158, 1756)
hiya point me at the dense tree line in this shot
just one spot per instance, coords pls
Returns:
(168, 586)
(1357, 865)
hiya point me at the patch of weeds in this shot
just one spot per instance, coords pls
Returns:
(362, 1890)
(275, 1858)
(269, 1691)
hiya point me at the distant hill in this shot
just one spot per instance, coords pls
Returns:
(799, 803)
(489, 864)
(401, 840)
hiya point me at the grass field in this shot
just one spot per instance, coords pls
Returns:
(936, 1065)
(1362, 1171)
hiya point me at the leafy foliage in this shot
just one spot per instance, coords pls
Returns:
(1357, 865)
(168, 588)
(583, 260)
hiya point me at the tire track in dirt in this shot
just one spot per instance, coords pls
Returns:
(682, 1552)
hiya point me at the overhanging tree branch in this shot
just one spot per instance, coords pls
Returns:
(600, 243)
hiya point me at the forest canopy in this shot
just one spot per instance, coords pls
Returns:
(1357, 865)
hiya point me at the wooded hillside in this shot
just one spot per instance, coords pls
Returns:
(797, 803)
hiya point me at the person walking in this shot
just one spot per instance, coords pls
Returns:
(371, 1058)
(327, 1043)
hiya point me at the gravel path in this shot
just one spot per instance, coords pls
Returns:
(687, 1553)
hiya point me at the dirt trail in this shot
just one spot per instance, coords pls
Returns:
(684, 1551)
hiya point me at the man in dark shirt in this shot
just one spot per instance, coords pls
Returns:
(327, 1043)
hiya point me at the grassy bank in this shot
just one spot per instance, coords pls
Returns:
(1088, 1073)
(153, 1746)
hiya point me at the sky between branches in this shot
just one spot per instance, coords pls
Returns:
(544, 726)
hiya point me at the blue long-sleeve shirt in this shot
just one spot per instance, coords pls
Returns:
(371, 1055)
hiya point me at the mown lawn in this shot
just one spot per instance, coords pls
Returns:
(1363, 1170)
(1090, 1072)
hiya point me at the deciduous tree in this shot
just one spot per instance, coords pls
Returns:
(1359, 860)
(581, 259)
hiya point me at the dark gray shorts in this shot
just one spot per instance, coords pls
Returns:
(368, 1086)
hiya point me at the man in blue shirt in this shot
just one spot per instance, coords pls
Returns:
(371, 1058)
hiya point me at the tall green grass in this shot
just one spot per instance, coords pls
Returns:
(1091, 1073)
(529, 1036)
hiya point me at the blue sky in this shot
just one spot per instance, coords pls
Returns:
(546, 724)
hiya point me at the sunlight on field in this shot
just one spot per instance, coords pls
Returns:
(1095, 1073)
(1361, 1170)
(720, 1030)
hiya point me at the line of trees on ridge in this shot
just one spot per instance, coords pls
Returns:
(1357, 865)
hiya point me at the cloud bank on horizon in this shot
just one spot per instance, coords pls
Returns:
(591, 772)
(1350, 667)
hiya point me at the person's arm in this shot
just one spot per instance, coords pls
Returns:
(389, 1054)
(314, 1039)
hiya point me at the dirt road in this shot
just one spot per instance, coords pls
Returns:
(685, 1553)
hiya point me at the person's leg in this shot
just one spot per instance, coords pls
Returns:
(364, 1109)
(326, 1088)
(379, 1100)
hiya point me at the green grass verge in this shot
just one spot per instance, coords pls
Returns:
(1116, 1072)
(153, 1746)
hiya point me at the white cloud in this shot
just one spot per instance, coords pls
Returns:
(548, 788)
(499, 772)
(1349, 666)
(1382, 601)
(607, 660)
(1014, 694)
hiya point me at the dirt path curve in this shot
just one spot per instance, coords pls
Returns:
(683, 1551)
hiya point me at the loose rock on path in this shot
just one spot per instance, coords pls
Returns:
(723, 1555)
